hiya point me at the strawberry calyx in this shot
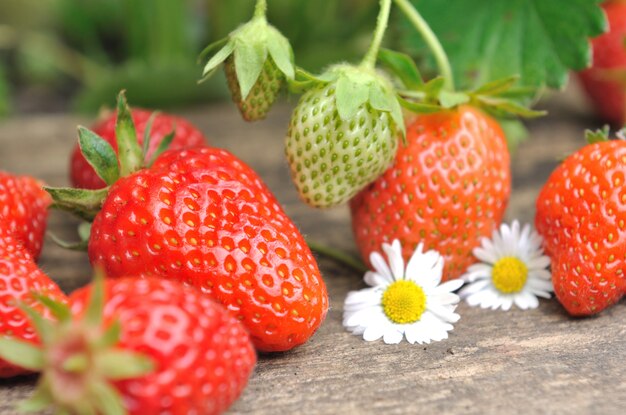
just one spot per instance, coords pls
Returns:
(251, 45)
(603, 134)
(78, 357)
(109, 166)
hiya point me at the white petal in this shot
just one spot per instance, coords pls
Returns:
(393, 336)
(507, 303)
(530, 299)
(394, 257)
(446, 314)
(477, 271)
(374, 331)
(538, 262)
(474, 288)
(539, 284)
(362, 317)
(362, 298)
(485, 255)
(381, 267)
(374, 279)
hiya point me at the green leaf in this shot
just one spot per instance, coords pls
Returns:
(402, 66)
(418, 107)
(498, 86)
(280, 50)
(349, 96)
(433, 88)
(249, 61)
(128, 149)
(80, 246)
(99, 154)
(452, 99)
(218, 59)
(163, 145)
(123, 364)
(21, 354)
(501, 107)
(81, 202)
(541, 40)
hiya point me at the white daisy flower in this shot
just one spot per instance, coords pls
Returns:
(402, 302)
(513, 270)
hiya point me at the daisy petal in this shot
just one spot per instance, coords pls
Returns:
(381, 267)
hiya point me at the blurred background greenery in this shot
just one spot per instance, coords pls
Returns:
(58, 55)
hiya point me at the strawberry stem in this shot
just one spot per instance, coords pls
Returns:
(443, 63)
(381, 26)
(260, 9)
(339, 256)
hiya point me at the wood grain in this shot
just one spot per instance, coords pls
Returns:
(538, 361)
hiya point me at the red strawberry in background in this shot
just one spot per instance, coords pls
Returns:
(202, 217)
(19, 279)
(186, 135)
(24, 210)
(605, 81)
(448, 188)
(581, 214)
(141, 346)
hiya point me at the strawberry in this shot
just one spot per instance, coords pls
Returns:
(339, 139)
(202, 217)
(605, 80)
(447, 188)
(258, 61)
(19, 279)
(140, 346)
(24, 210)
(186, 135)
(581, 214)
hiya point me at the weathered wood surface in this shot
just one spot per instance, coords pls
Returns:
(538, 361)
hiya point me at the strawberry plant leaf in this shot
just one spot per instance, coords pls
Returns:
(402, 66)
(99, 154)
(541, 40)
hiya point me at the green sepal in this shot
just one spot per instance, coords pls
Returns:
(598, 136)
(82, 202)
(123, 364)
(42, 325)
(59, 310)
(249, 60)
(449, 99)
(22, 354)
(303, 81)
(99, 154)
(419, 107)
(349, 96)
(111, 335)
(129, 152)
(433, 88)
(218, 44)
(280, 50)
(217, 59)
(147, 136)
(107, 399)
(95, 305)
(497, 87)
(40, 400)
(502, 107)
(80, 246)
(163, 145)
(402, 66)
(514, 131)
(384, 99)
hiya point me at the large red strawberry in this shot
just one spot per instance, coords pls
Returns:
(186, 135)
(581, 214)
(19, 279)
(605, 81)
(202, 217)
(447, 188)
(140, 346)
(24, 209)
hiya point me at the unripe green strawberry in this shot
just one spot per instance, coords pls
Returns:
(340, 139)
(263, 93)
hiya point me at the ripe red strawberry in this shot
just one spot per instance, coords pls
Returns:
(142, 346)
(448, 188)
(186, 135)
(24, 210)
(605, 81)
(581, 214)
(19, 278)
(202, 217)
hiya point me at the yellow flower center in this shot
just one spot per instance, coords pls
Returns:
(404, 302)
(509, 275)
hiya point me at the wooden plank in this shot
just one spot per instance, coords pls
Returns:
(538, 361)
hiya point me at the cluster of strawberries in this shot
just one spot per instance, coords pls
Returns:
(202, 266)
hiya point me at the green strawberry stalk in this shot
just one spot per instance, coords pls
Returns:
(257, 59)
(78, 357)
(343, 133)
